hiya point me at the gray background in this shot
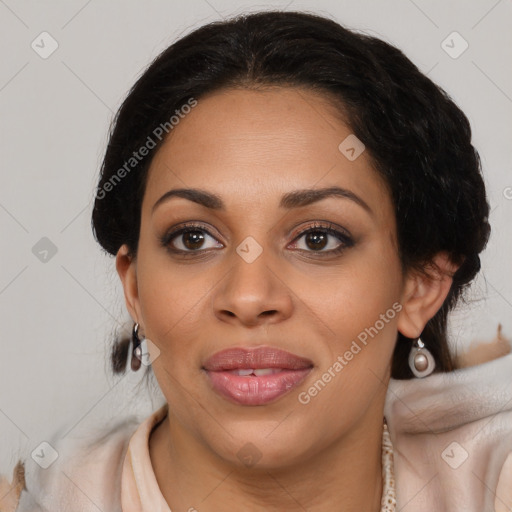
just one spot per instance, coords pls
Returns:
(59, 311)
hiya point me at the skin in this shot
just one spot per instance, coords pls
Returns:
(250, 147)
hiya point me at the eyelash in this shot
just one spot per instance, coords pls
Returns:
(345, 239)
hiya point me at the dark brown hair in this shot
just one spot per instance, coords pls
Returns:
(417, 138)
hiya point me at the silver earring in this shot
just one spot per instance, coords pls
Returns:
(136, 348)
(421, 361)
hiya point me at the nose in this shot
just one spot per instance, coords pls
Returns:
(253, 293)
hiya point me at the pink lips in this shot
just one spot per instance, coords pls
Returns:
(274, 373)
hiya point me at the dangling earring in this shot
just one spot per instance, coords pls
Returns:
(421, 361)
(136, 350)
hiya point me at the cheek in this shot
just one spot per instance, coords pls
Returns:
(362, 311)
(170, 301)
(352, 297)
(175, 303)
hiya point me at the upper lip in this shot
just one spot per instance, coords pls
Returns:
(256, 358)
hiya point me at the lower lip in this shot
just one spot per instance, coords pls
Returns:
(253, 390)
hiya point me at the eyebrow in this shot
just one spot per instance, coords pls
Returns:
(294, 199)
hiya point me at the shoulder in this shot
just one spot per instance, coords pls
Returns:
(66, 472)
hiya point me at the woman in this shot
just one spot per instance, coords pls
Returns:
(294, 209)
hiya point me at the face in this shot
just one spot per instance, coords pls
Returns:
(264, 265)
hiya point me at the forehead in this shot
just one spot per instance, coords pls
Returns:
(252, 144)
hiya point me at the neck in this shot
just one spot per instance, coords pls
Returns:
(347, 475)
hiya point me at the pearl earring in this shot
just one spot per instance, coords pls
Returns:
(421, 361)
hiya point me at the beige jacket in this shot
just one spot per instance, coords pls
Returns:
(451, 435)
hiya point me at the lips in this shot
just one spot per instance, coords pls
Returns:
(255, 376)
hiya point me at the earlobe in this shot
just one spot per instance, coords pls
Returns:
(127, 270)
(424, 295)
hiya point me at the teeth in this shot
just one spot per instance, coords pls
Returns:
(243, 373)
(266, 371)
(260, 372)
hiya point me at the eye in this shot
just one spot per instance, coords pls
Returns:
(189, 238)
(319, 238)
(323, 239)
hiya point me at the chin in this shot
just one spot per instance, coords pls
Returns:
(263, 447)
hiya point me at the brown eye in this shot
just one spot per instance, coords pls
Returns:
(193, 239)
(316, 240)
(189, 239)
(322, 240)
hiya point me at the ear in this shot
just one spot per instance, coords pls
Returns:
(126, 267)
(423, 295)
